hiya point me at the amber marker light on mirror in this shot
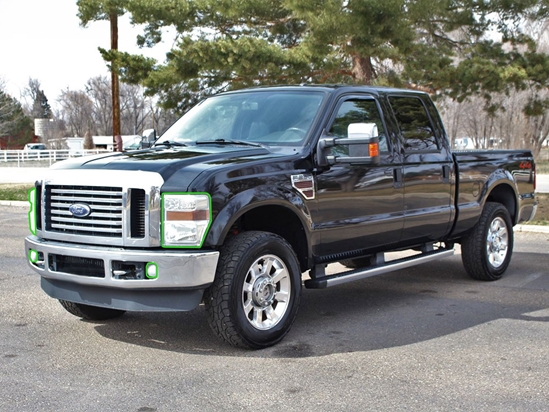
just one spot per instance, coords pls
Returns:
(373, 149)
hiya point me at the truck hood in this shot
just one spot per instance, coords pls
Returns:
(189, 161)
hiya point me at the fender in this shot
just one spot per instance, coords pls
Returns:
(252, 198)
(498, 186)
(501, 180)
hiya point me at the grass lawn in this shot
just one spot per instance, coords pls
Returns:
(14, 191)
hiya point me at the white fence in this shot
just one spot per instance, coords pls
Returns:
(36, 157)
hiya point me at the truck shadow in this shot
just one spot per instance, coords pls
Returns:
(401, 308)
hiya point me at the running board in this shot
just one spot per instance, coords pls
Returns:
(319, 280)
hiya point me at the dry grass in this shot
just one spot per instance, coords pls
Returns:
(11, 191)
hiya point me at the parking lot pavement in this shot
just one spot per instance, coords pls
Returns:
(424, 338)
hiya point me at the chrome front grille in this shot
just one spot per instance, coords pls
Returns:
(100, 207)
(104, 219)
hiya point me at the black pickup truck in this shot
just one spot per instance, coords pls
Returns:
(251, 189)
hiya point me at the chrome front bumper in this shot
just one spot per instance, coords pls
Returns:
(179, 274)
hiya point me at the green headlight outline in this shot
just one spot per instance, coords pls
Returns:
(147, 270)
(162, 225)
(32, 211)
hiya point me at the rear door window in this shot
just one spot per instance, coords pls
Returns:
(415, 125)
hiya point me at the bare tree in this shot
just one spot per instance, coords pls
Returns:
(88, 141)
(160, 119)
(77, 109)
(91, 109)
(451, 113)
(133, 109)
(99, 92)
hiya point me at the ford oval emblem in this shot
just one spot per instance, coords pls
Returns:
(80, 210)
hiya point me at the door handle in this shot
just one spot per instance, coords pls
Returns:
(446, 173)
(397, 177)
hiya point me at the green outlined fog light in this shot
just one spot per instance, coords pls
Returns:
(33, 256)
(151, 270)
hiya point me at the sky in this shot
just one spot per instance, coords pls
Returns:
(43, 40)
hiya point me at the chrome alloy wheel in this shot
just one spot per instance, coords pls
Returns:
(497, 242)
(266, 292)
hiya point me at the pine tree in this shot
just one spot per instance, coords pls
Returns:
(40, 108)
(15, 128)
(458, 47)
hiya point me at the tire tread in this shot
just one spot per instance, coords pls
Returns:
(217, 297)
(472, 246)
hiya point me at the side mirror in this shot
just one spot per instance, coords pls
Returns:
(363, 142)
(148, 138)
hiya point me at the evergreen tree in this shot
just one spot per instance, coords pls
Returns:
(459, 47)
(40, 108)
(15, 128)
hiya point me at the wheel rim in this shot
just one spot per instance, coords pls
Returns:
(266, 292)
(497, 242)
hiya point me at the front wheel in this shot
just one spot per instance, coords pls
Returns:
(255, 296)
(486, 251)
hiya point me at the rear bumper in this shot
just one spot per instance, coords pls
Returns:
(119, 278)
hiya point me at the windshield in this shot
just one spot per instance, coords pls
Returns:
(277, 117)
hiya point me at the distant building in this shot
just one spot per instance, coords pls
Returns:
(106, 142)
(44, 128)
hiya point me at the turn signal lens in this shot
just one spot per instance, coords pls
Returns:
(373, 149)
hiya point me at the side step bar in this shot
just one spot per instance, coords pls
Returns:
(319, 279)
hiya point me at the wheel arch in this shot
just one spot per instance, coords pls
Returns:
(285, 215)
(502, 189)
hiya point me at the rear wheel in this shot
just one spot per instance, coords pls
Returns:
(486, 251)
(90, 312)
(254, 299)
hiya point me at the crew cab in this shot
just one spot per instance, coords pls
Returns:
(252, 193)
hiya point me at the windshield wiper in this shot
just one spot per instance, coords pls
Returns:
(230, 141)
(169, 143)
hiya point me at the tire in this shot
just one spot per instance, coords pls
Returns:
(357, 263)
(90, 312)
(255, 296)
(486, 251)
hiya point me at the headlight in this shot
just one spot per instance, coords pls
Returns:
(32, 210)
(186, 219)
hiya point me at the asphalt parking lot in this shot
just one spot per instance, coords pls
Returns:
(425, 338)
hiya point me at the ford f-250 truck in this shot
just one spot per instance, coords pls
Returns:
(251, 189)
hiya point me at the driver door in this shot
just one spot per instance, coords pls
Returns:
(360, 206)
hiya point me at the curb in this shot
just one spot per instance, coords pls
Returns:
(531, 229)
